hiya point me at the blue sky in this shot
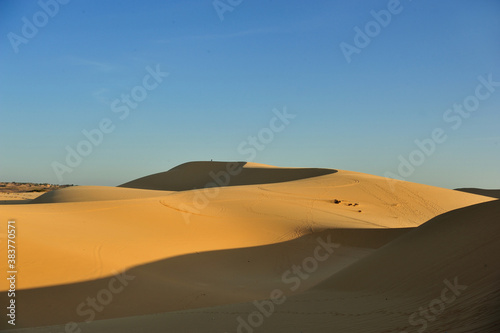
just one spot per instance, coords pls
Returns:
(225, 78)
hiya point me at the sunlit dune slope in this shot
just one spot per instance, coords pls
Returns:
(440, 277)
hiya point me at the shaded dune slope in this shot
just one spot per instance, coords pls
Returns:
(200, 279)
(456, 242)
(481, 191)
(196, 175)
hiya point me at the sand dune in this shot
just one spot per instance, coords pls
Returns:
(195, 175)
(217, 246)
(385, 292)
(454, 274)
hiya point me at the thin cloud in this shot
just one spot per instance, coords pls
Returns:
(250, 32)
(97, 65)
(243, 33)
(101, 95)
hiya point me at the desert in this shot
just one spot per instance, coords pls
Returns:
(271, 249)
(230, 166)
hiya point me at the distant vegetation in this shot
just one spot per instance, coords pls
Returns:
(16, 187)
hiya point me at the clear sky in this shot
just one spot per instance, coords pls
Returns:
(363, 80)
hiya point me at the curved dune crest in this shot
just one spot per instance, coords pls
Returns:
(94, 193)
(196, 175)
